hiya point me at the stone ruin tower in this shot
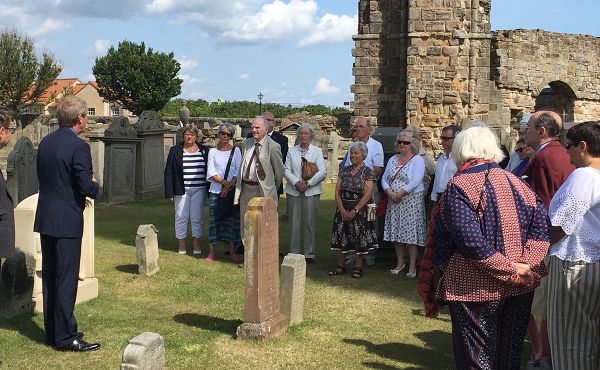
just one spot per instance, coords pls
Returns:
(431, 63)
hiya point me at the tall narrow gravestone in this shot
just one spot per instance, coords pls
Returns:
(262, 318)
(21, 169)
(293, 278)
(146, 244)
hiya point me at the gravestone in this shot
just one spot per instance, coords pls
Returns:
(21, 170)
(262, 317)
(333, 153)
(16, 285)
(120, 155)
(28, 241)
(146, 243)
(293, 278)
(97, 151)
(144, 352)
(169, 139)
(150, 160)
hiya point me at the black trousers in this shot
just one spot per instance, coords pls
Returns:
(60, 274)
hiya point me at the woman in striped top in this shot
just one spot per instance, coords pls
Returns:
(186, 185)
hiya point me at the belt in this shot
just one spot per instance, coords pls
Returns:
(249, 182)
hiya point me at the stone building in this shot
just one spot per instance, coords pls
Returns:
(431, 63)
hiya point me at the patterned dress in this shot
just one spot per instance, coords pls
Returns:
(405, 221)
(358, 235)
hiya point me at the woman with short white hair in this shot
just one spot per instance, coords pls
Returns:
(303, 190)
(491, 236)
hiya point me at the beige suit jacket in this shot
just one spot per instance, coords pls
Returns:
(271, 162)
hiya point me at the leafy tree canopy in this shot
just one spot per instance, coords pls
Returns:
(241, 109)
(23, 76)
(137, 79)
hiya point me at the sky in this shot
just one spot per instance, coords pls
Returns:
(291, 51)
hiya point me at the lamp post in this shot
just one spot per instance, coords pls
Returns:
(260, 96)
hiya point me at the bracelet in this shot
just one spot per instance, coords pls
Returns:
(355, 210)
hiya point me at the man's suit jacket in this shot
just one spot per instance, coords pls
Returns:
(548, 170)
(7, 221)
(272, 164)
(64, 167)
(293, 170)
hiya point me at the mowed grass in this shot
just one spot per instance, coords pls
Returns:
(374, 322)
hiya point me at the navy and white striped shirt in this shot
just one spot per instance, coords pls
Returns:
(194, 170)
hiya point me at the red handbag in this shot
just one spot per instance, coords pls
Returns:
(381, 208)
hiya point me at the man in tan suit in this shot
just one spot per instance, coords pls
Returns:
(261, 171)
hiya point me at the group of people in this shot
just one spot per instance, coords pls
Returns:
(232, 176)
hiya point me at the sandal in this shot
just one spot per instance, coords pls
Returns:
(339, 269)
(357, 272)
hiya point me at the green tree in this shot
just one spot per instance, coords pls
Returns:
(137, 79)
(23, 75)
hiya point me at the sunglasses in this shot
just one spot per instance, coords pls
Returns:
(10, 129)
(402, 142)
(225, 133)
(519, 150)
(570, 144)
(446, 138)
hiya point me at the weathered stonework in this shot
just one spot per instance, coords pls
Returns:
(431, 63)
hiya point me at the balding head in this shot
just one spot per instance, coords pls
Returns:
(543, 126)
(269, 119)
(259, 128)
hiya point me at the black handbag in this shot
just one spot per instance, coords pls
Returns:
(225, 204)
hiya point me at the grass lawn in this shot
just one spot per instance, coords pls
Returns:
(375, 322)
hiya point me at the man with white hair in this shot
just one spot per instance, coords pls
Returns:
(261, 171)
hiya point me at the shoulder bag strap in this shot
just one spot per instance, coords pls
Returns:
(229, 164)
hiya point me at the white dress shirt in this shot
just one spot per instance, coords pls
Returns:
(445, 168)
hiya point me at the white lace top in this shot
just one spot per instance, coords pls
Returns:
(576, 209)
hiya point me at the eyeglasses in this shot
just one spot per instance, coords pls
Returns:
(570, 144)
(225, 133)
(360, 126)
(402, 142)
(446, 138)
(519, 150)
(10, 129)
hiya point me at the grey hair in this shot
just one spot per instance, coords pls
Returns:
(360, 146)
(227, 126)
(68, 109)
(264, 121)
(415, 142)
(476, 142)
(310, 128)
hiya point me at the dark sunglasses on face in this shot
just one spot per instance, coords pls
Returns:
(446, 138)
(519, 150)
(402, 142)
(225, 133)
(10, 129)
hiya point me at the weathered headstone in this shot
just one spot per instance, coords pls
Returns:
(28, 241)
(21, 169)
(333, 153)
(120, 154)
(262, 317)
(144, 352)
(97, 151)
(293, 278)
(150, 160)
(146, 243)
(16, 285)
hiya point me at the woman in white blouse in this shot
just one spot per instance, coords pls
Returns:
(223, 227)
(574, 276)
(303, 195)
(402, 182)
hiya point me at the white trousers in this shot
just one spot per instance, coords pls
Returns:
(189, 207)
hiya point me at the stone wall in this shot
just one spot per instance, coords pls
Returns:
(431, 63)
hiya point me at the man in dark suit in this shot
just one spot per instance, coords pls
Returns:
(7, 217)
(64, 167)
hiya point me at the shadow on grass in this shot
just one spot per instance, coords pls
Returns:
(421, 312)
(25, 326)
(209, 323)
(434, 354)
(129, 268)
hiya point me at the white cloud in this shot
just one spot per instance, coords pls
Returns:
(99, 48)
(187, 63)
(244, 76)
(189, 79)
(331, 29)
(324, 87)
